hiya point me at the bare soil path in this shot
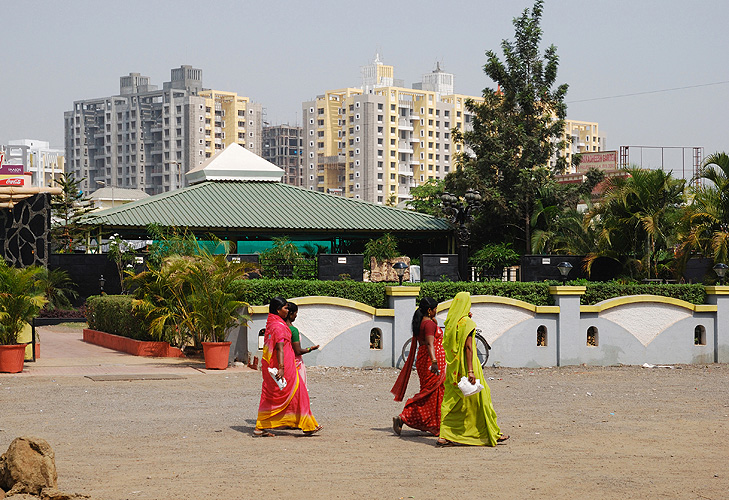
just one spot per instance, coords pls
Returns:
(576, 433)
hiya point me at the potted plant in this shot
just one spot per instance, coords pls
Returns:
(198, 297)
(21, 299)
(492, 259)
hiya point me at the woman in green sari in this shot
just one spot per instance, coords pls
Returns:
(465, 419)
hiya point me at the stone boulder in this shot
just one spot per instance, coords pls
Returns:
(383, 271)
(28, 466)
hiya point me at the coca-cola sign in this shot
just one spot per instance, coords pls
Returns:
(12, 181)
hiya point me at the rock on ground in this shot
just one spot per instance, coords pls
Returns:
(28, 466)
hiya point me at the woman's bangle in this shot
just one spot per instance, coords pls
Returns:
(434, 362)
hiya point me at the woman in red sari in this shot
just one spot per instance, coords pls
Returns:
(422, 411)
(286, 406)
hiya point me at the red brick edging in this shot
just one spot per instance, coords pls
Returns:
(131, 346)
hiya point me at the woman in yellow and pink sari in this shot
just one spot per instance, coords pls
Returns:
(287, 406)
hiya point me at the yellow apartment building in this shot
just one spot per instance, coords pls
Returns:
(377, 142)
(230, 118)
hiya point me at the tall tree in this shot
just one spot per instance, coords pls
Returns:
(67, 210)
(517, 129)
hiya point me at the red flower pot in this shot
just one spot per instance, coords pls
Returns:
(216, 355)
(12, 358)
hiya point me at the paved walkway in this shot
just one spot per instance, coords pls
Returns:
(63, 352)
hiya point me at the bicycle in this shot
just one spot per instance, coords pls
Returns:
(482, 349)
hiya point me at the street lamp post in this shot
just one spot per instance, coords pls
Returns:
(564, 270)
(460, 213)
(400, 268)
(720, 269)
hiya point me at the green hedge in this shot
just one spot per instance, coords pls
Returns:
(597, 292)
(261, 291)
(533, 293)
(113, 314)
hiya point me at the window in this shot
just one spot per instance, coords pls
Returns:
(542, 336)
(592, 337)
(699, 335)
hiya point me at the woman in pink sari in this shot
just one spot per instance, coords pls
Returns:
(286, 406)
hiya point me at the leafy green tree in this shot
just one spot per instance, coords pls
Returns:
(426, 197)
(67, 211)
(121, 254)
(517, 130)
(170, 241)
(708, 214)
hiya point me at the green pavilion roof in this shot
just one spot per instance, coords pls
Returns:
(263, 207)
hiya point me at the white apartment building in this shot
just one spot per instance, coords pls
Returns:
(45, 164)
(145, 138)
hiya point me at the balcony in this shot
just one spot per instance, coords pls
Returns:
(403, 124)
(404, 147)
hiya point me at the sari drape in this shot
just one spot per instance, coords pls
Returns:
(300, 366)
(466, 420)
(287, 407)
(422, 411)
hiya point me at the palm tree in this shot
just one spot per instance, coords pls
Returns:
(57, 287)
(21, 298)
(709, 212)
(191, 298)
(637, 217)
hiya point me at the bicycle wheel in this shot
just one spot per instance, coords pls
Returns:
(406, 351)
(482, 348)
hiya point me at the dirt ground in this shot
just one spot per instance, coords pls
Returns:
(576, 433)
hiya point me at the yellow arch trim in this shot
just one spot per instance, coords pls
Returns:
(494, 299)
(646, 299)
(330, 301)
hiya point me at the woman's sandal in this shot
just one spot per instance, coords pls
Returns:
(262, 433)
(502, 438)
(397, 424)
(443, 443)
(312, 432)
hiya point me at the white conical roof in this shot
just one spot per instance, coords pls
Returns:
(235, 163)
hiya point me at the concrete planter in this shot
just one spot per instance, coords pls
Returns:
(131, 346)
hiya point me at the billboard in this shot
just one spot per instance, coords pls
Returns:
(601, 160)
(12, 175)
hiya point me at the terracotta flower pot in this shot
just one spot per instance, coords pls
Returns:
(216, 355)
(12, 358)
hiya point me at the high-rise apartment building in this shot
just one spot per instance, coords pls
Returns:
(231, 118)
(581, 137)
(378, 141)
(146, 138)
(43, 163)
(282, 146)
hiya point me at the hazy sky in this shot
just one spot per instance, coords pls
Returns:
(280, 53)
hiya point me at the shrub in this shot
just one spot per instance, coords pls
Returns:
(114, 314)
